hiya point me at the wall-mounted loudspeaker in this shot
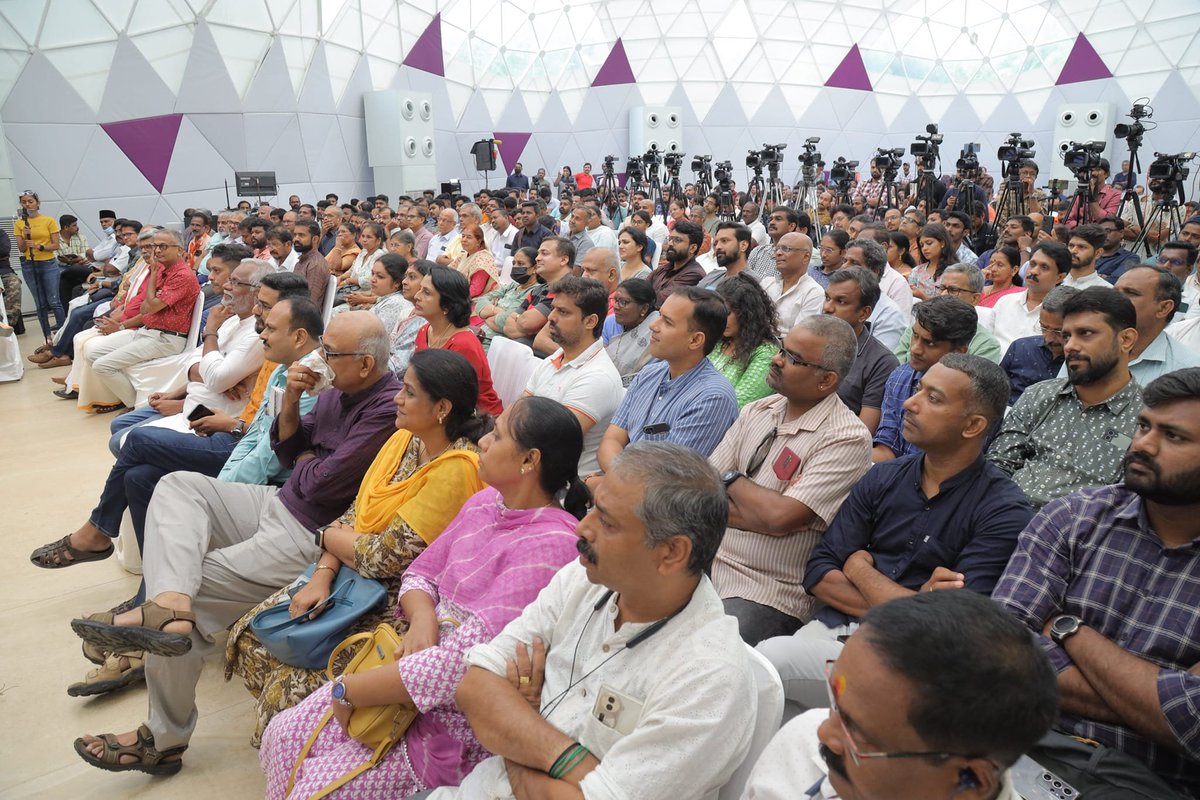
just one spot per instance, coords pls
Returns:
(661, 126)
(400, 140)
(1081, 122)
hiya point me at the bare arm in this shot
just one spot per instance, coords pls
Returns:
(754, 508)
(835, 590)
(614, 441)
(870, 417)
(1077, 696)
(881, 452)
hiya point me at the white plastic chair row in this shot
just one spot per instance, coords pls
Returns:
(512, 364)
(169, 372)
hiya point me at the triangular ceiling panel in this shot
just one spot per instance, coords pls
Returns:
(332, 162)
(167, 52)
(341, 63)
(1083, 64)
(726, 109)
(86, 68)
(354, 139)
(226, 133)
(206, 85)
(515, 116)
(351, 103)
(851, 73)
(201, 169)
(42, 94)
(56, 150)
(242, 51)
(286, 155)
(316, 94)
(70, 23)
(426, 52)
(510, 147)
(616, 69)
(104, 166)
(148, 143)
(272, 88)
(134, 89)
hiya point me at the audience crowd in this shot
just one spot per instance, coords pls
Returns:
(615, 470)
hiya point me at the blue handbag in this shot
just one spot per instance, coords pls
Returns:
(307, 641)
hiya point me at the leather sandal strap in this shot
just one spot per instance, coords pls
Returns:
(157, 617)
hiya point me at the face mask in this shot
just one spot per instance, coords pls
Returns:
(520, 275)
(107, 231)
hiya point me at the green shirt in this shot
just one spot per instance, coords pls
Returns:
(1052, 445)
(749, 383)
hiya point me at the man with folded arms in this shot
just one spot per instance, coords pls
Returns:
(625, 678)
(214, 549)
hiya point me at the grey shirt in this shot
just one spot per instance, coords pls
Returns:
(864, 384)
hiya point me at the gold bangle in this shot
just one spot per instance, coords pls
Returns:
(324, 566)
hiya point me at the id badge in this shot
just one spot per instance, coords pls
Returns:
(787, 465)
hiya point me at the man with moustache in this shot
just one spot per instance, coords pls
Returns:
(731, 245)
(1107, 578)
(1068, 433)
(679, 267)
(792, 289)
(948, 676)
(1034, 359)
(1019, 314)
(311, 264)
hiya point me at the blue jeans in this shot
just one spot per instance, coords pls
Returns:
(42, 279)
(123, 422)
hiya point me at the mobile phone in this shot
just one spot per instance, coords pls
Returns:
(200, 412)
(657, 428)
(617, 710)
(1049, 221)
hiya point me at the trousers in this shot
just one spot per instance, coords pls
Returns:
(42, 279)
(800, 661)
(228, 546)
(119, 351)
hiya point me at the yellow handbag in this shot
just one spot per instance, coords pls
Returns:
(379, 727)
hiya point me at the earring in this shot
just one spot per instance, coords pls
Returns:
(524, 470)
(441, 419)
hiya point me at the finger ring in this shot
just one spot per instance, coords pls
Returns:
(524, 680)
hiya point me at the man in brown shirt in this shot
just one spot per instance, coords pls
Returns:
(679, 254)
(306, 233)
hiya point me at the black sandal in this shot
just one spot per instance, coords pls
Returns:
(150, 761)
(51, 556)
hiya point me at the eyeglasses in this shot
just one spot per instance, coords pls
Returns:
(1055, 332)
(856, 753)
(954, 290)
(621, 302)
(1171, 262)
(235, 282)
(829, 249)
(797, 361)
(160, 246)
(783, 248)
(327, 354)
(760, 453)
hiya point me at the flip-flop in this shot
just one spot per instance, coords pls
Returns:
(150, 761)
(50, 556)
(99, 629)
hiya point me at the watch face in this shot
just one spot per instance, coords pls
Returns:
(339, 690)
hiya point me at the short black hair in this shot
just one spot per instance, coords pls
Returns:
(844, 208)
(868, 284)
(1057, 251)
(130, 223)
(587, 293)
(840, 237)
(1168, 286)
(563, 247)
(1091, 233)
(961, 216)
(640, 290)
(287, 284)
(949, 644)
(1182, 384)
(791, 216)
(1116, 308)
(948, 319)
(709, 313)
(67, 219)
(304, 314)
(990, 388)
(280, 233)
(692, 231)
(454, 293)
(740, 232)
(1177, 244)
(1026, 222)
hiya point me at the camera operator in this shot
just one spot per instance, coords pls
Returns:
(870, 191)
(1105, 200)
(1035, 198)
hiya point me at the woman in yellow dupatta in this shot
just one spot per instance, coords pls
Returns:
(413, 489)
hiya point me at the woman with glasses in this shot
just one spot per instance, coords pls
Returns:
(38, 239)
(745, 353)
(633, 311)
(358, 277)
(937, 253)
(445, 304)
(1003, 273)
(415, 486)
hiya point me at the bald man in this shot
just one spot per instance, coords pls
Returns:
(796, 294)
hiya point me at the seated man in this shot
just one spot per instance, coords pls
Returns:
(555, 255)
(888, 320)
(1084, 244)
(579, 374)
(679, 267)
(943, 325)
(787, 464)
(944, 519)
(966, 283)
(851, 296)
(885, 697)
(311, 264)
(1019, 314)
(1156, 294)
(675, 701)
(793, 291)
(1068, 433)
(214, 550)
(860, 253)
(166, 312)
(1108, 576)
(681, 398)
(1033, 359)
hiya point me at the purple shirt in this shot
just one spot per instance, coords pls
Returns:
(344, 432)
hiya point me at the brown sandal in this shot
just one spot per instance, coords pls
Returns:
(52, 556)
(99, 629)
(149, 760)
(110, 676)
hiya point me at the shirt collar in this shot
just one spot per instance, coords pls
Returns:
(809, 421)
(579, 360)
(1157, 350)
(1116, 403)
(388, 382)
(954, 481)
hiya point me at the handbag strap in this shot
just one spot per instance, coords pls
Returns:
(342, 780)
(346, 644)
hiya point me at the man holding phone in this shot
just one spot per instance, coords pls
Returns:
(788, 463)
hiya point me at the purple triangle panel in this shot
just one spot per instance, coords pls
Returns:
(511, 146)
(148, 143)
(616, 69)
(851, 73)
(622, 177)
(426, 54)
(1084, 64)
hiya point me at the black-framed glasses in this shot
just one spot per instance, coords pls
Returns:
(327, 354)
(857, 753)
(953, 290)
(1171, 262)
(797, 361)
(235, 282)
(759, 457)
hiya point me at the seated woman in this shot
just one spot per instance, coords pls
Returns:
(356, 279)
(632, 246)
(633, 312)
(385, 299)
(898, 256)
(491, 561)
(1003, 271)
(745, 353)
(937, 253)
(445, 303)
(402, 242)
(493, 309)
(476, 264)
(403, 335)
(345, 249)
(415, 486)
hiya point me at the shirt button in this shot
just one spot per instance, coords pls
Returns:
(604, 648)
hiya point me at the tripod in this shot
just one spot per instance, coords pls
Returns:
(1012, 192)
(1166, 211)
(653, 188)
(606, 190)
(726, 207)
(757, 189)
(773, 193)
(1130, 196)
(889, 195)
(925, 192)
(1083, 195)
(805, 199)
(704, 185)
(673, 189)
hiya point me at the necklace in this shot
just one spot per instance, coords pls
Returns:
(440, 340)
(425, 455)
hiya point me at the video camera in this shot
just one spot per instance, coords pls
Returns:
(1132, 132)
(1016, 148)
(723, 172)
(925, 148)
(673, 161)
(888, 159)
(652, 158)
(842, 171)
(608, 164)
(754, 160)
(968, 158)
(700, 163)
(773, 153)
(633, 169)
(1166, 169)
(1083, 157)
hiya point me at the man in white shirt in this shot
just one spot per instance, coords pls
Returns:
(1085, 244)
(1155, 293)
(750, 218)
(501, 240)
(580, 374)
(1018, 315)
(638, 682)
(447, 230)
(1180, 258)
(891, 282)
(795, 293)
(885, 699)
(279, 242)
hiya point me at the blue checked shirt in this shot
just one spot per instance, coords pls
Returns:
(1093, 554)
(699, 406)
(900, 386)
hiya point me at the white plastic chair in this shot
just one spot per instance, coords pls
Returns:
(330, 292)
(769, 691)
(169, 372)
(512, 364)
(11, 366)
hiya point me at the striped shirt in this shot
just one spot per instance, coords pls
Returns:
(693, 410)
(834, 449)
(1093, 554)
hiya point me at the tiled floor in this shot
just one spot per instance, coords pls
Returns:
(56, 462)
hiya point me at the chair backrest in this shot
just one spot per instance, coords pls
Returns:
(197, 314)
(330, 293)
(512, 364)
(769, 689)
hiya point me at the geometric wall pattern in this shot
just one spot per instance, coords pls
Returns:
(278, 84)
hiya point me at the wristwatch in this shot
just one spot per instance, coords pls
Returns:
(339, 691)
(1064, 626)
(239, 430)
(732, 475)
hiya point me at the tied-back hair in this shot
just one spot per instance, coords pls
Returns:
(756, 315)
(395, 265)
(547, 426)
(639, 240)
(1014, 258)
(901, 241)
(447, 375)
(454, 294)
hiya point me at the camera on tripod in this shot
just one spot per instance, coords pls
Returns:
(633, 169)
(888, 159)
(673, 161)
(842, 171)
(724, 172)
(608, 164)
(968, 158)
(1168, 168)
(700, 163)
(1082, 157)
(1132, 132)
(773, 154)
(1016, 149)
(925, 148)
(754, 160)
(652, 158)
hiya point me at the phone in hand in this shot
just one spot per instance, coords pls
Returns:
(200, 412)
(1049, 221)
